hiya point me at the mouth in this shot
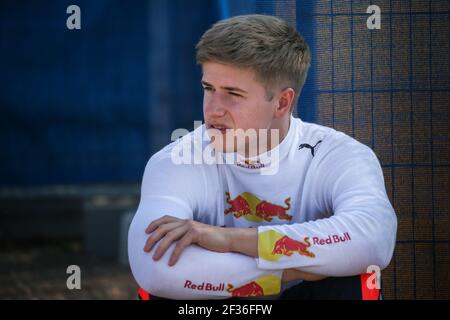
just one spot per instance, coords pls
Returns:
(219, 127)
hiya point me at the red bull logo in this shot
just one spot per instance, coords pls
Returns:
(256, 210)
(267, 210)
(204, 286)
(287, 246)
(335, 238)
(239, 206)
(263, 286)
(252, 289)
(251, 164)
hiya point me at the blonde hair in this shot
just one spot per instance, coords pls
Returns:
(275, 51)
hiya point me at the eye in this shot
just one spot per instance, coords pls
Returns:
(207, 88)
(235, 94)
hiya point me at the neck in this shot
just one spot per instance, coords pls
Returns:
(273, 139)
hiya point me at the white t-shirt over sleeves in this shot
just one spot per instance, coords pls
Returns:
(346, 177)
(324, 210)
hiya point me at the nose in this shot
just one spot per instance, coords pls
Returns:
(213, 107)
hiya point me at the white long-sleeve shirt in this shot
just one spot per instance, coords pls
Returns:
(323, 211)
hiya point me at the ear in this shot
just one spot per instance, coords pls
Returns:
(284, 102)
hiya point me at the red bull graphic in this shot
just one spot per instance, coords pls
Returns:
(251, 289)
(267, 210)
(335, 238)
(204, 286)
(273, 245)
(263, 286)
(287, 246)
(254, 209)
(251, 164)
(239, 206)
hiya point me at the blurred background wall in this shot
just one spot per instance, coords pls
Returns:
(83, 110)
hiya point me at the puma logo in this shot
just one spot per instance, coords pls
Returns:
(306, 145)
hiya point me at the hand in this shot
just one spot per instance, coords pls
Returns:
(169, 229)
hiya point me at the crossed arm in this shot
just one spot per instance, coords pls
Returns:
(169, 229)
(180, 251)
(177, 263)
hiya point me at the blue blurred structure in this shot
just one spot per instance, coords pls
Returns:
(74, 104)
(91, 106)
(86, 106)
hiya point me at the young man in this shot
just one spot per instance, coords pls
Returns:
(302, 215)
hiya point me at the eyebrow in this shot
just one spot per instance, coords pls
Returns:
(226, 88)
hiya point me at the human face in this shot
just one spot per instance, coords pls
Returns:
(234, 99)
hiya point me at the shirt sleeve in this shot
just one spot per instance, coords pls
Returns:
(361, 230)
(199, 273)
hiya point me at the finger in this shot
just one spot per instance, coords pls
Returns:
(181, 245)
(170, 237)
(159, 233)
(156, 223)
(160, 221)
